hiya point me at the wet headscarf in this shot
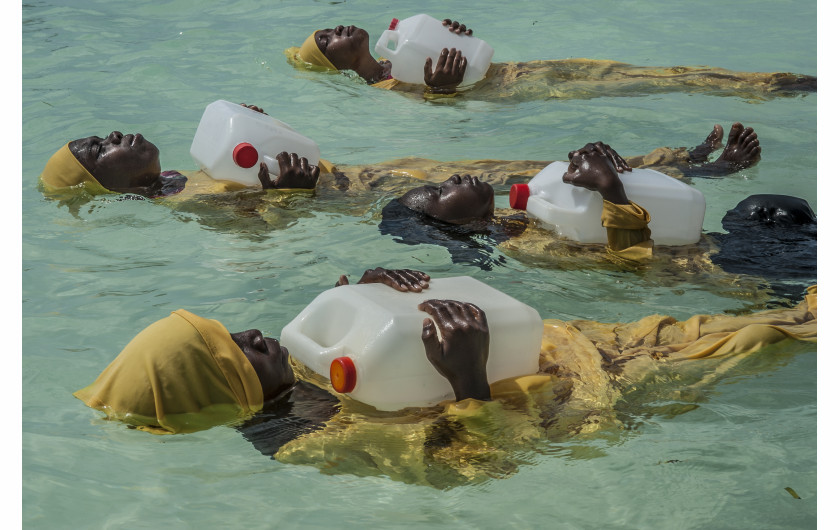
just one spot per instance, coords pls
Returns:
(470, 244)
(63, 170)
(773, 236)
(309, 54)
(181, 374)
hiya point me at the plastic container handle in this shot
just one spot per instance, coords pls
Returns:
(388, 36)
(325, 355)
(273, 165)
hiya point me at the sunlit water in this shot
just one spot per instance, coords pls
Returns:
(94, 274)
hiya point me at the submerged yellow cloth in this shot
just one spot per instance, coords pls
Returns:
(590, 78)
(181, 374)
(585, 369)
(63, 170)
(309, 54)
(200, 183)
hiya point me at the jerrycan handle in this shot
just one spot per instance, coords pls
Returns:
(273, 165)
(387, 38)
(322, 360)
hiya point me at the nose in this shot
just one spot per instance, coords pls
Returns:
(115, 137)
(256, 340)
(339, 29)
(456, 179)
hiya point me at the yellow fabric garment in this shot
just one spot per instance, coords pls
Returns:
(628, 235)
(200, 183)
(628, 242)
(589, 78)
(585, 369)
(63, 170)
(401, 174)
(181, 374)
(309, 54)
(387, 84)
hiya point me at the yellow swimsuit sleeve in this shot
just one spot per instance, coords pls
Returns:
(393, 84)
(628, 235)
(387, 84)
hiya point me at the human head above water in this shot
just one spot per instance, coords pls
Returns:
(124, 163)
(186, 373)
(344, 47)
(339, 48)
(457, 200)
(771, 211)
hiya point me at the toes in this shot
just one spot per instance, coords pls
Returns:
(734, 133)
(745, 134)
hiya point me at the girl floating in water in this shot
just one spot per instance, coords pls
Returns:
(348, 48)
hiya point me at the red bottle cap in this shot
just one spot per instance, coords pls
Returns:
(394, 22)
(245, 155)
(519, 194)
(343, 374)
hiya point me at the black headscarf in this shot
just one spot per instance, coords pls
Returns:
(471, 244)
(772, 236)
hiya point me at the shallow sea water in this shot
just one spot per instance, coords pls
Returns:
(94, 274)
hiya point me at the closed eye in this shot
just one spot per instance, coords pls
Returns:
(323, 42)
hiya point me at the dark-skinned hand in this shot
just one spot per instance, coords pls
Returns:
(295, 172)
(254, 107)
(448, 73)
(455, 27)
(596, 167)
(617, 161)
(460, 355)
(402, 280)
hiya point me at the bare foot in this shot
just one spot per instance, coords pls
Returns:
(742, 149)
(713, 141)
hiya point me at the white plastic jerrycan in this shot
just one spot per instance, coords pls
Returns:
(232, 140)
(676, 209)
(407, 44)
(367, 340)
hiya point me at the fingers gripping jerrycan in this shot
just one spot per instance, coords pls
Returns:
(367, 340)
(407, 44)
(232, 140)
(676, 209)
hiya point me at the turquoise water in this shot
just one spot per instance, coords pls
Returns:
(96, 273)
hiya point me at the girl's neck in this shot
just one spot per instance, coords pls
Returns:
(372, 70)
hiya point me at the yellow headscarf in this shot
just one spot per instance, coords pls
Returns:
(309, 54)
(181, 374)
(63, 170)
